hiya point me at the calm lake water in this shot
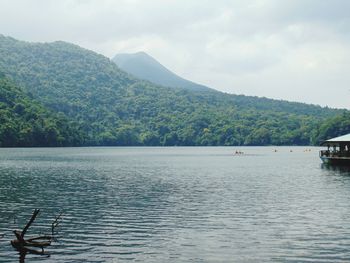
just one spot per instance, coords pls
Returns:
(177, 204)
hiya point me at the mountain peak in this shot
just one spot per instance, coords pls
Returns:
(123, 59)
(144, 66)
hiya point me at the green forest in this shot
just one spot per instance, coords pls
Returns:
(58, 94)
(24, 122)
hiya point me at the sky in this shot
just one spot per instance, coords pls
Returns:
(296, 50)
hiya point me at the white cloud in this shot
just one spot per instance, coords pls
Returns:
(291, 49)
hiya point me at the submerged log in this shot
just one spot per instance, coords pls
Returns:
(27, 243)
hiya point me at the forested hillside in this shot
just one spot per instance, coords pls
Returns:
(24, 122)
(334, 127)
(113, 108)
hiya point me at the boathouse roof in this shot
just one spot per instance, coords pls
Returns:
(337, 140)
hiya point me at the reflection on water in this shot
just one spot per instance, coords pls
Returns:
(23, 251)
(337, 169)
(177, 204)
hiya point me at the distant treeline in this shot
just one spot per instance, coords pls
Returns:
(59, 94)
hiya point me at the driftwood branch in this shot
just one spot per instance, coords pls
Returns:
(55, 223)
(40, 241)
(35, 213)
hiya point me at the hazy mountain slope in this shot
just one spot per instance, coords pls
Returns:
(146, 67)
(24, 122)
(143, 66)
(113, 108)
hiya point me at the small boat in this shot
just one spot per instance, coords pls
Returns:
(338, 151)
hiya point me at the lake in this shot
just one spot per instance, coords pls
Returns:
(177, 204)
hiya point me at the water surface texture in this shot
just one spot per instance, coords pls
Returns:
(200, 204)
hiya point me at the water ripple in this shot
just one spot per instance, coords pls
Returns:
(177, 204)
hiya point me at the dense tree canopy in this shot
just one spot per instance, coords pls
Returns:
(98, 104)
(24, 122)
(336, 126)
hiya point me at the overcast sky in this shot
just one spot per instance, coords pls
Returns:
(296, 50)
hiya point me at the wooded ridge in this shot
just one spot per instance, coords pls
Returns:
(59, 94)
